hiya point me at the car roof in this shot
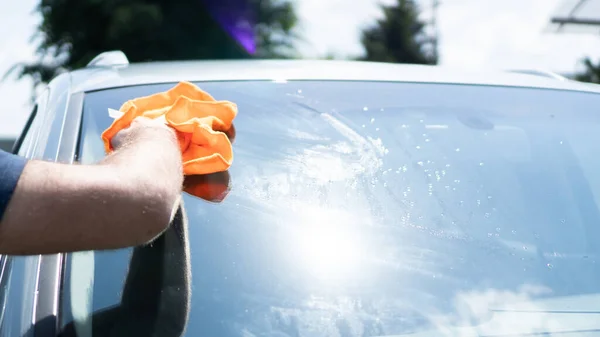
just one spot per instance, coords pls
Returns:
(104, 77)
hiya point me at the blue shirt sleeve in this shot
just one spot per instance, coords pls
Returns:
(11, 167)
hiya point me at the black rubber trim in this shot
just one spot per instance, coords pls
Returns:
(46, 320)
(19, 142)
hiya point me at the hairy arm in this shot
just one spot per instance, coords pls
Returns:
(128, 199)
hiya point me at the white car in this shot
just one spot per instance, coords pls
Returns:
(366, 200)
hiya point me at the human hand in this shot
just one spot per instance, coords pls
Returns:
(143, 128)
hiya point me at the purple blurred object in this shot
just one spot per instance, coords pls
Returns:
(237, 17)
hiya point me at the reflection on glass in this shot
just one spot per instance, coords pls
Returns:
(327, 245)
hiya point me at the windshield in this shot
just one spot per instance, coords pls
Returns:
(363, 209)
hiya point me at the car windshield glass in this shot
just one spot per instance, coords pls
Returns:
(363, 209)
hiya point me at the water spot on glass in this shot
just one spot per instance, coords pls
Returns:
(524, 247)
(408, 189)
(550, 265)
(425, 135)
(427, 140)
(513, 232)
(404, 126)
(380, 109)
(487, 215)
(443, 173)
(404, 168)
(447, 187)
(457, 181)
(481, 164)
(498, 229)
(421, 121)
(478, 202)
(457, 149)
(536, 235)
(417, 147)
(563, 220)
(376, 129)
(561, 142)
(372, 120)
(363, 125)
(490, 235)
(299, 91)
(522, 259)
(420, 163)
(460, 203)
(365, 108)
(489, 197)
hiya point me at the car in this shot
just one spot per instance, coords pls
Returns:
(366, 199)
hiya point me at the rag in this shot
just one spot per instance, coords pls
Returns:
(203, 127)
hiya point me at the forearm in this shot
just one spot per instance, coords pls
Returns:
(124, 201)
(153, 155)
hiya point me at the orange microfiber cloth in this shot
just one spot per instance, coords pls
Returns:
(204, 128)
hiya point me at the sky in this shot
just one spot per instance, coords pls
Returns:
(474, 34)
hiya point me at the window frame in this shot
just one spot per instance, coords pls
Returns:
(22, 139)
(57, 118)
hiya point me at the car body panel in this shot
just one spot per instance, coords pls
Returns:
(98, 78)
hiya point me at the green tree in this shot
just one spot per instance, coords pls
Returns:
(398, 37)
(591, 72)
(72, 32)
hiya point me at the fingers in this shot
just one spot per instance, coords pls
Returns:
(139, 126)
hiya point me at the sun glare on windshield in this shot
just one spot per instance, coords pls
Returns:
(327, 245)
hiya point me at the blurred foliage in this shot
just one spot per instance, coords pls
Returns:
(72, 32)
(398, 37)
(591, 73)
